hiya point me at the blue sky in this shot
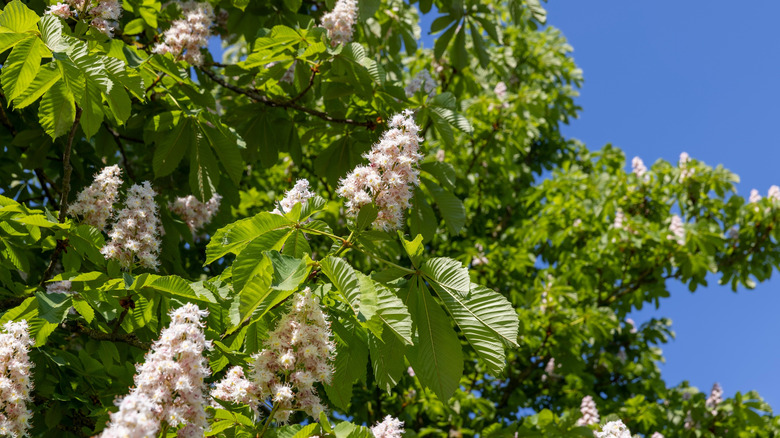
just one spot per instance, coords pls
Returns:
(662, 78)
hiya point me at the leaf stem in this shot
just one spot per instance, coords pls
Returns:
(387, 262)
(324, 233)
(268, 421)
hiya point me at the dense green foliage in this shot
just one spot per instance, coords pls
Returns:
(496, 271)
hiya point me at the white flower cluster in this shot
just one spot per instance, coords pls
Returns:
(480, 258)
(389, 179)
(630, 323)
(549, 370)
(169, 385)
(136, 229)
(657, 435)
(619, 218)
(187, 35)
(297, 354)
(685, 171)
(715, 398)
(59, 287)
(15, 379)
(754, 196)
(774, 193)
(422, 81)
(614, 429)
(638, 167)
(390, 427)
(96, 202)
(299, 194)
(677, 230)
(104, 14)
(196, 214)
(500, 90)
(590, 414)
(340, 21)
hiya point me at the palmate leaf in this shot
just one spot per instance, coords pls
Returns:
(387, 359)
(350, 363)
(346, 281)
(57, 110)
(447, 273)
(48, 75)
(486, 318)
(16, 17)
(436, 357)
(204, 170)
(173, 144)
(236, 236)
(451, 208)
(393, 313)
(247, 263)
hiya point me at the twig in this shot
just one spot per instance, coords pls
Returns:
(42, 179)
(314, 71)
(68, 168)
(370, 124)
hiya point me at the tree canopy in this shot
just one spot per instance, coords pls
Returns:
(332, 231)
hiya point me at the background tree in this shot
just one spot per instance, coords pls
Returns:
(561, 243)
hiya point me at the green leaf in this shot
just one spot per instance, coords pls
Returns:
(18, 18)
(387, 360)
(458, 53)
(57, 110)
(451, 208)
(366, 216)
(443, 41)
(27, 310)
(289, 272)
(53, 307)
(51, 33)
(350, 363)
(91, 108)
(296, 245)
(178, 287)
(90, 65)
(83, 307)
(120, 74)
(413, 248)
(392, 311)
(248, 260)
(448, 274)
(422, 219)
(21, 67)
(226, 143)
(486, 318)
(8, 40)
(45, 79)
(293, 5)
(257, 295)
(443, 172)
(204, 170)
(173, 144)
(436, 357)
(236, 236)
(345, 279)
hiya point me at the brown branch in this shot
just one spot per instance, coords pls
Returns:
(370, 124)
(42, 179)
(314, 71)
(130, 339)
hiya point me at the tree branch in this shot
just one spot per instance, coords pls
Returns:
(42, 179)
(370, 124)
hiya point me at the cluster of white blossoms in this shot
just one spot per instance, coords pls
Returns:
(774, 193)
(299, 194)
(630, 323)
(15, 379)
(677, 230)
(422, 81)
(619, 218)
(638, 167)
(136, 229)
(480, 258)
(500, 90)
(754, 196)
(169, 385)
(188, 34)
(685, 171)
(390, 427)
(59, 287)
(657, 435)
(196, 214)
(391, 175)
(103, 14)
(340, 21)
(96, 202)
(715, 398)
(614, 429)
(549, 370)
(297, 354)
(590, 414)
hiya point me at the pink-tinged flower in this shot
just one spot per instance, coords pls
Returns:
(754, 196)
(58, 287)
(196, 214)
(614, 429)
(685, 170)
(189, 34)
(169, 385)
(390, 427)
(715, 398)
(61, 10)
(677, 230)
(340, 21)
(620, 217)
(590, 414)
(96, 202)
(389, 179)
(422, 81)
(657, 435)
(136, 230)
(299, 194)
(638, 167)
(15, 379)
(102, 14)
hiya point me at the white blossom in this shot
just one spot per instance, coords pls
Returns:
(389, 179)
(58, 287)
(480, 258)
(500, 91)
(299, 194)
(630, 322)
(422, 81)
(196, 214)
(754, 196)
(614, 429)
(189, 34)
(657, 435)
(638, 167)
(619, 219)
(15, 379)
(590, 414)
(96, 202)
(136, 230)
(715, 398)
(677, 230)
(685, 171)
(169, 385)
(774, 193)
(390, 427)
(102, 14)
(340, 21)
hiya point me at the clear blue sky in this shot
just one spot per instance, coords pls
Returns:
(700, 77)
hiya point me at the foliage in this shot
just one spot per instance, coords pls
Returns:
(510, 255)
